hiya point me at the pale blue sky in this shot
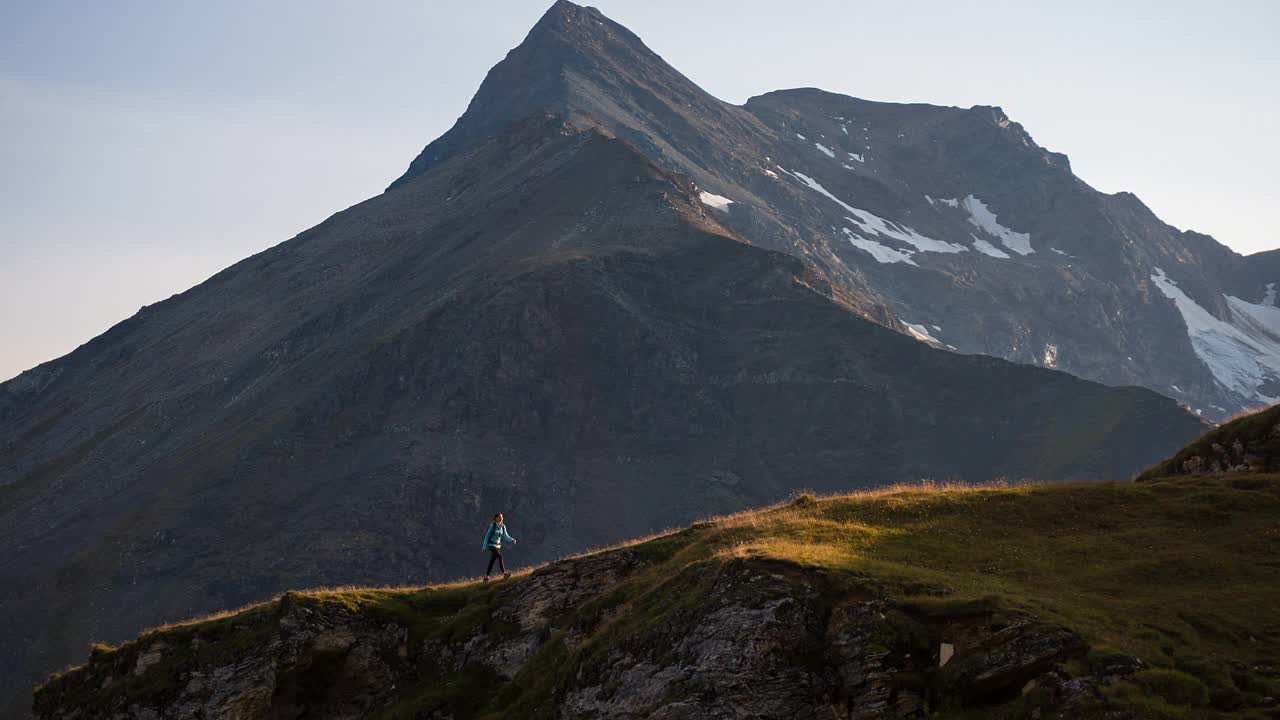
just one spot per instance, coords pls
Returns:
(146, 145)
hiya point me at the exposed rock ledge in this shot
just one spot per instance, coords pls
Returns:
(754, 639)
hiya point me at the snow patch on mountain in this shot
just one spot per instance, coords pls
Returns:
(882, 253)
(825, 150)
(987, 248)
(1261, 318)
(817, 187)
(857, 157)
(1243, 354)
(869, 222)
(719, 202)
(920, 332)
(945, 201)
(982, 217)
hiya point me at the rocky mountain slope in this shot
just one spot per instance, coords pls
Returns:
(949, 224)
(573, 307)
(1070, 601)
(546, 323)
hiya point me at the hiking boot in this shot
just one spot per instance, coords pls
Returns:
(506, 575)
(486, 579)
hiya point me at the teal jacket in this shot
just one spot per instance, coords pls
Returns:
(494, 536)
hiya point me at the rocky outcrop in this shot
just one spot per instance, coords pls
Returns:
(1249, 444)
(750, 639)
(1219, 458)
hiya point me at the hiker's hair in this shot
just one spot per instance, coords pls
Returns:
(496, 516)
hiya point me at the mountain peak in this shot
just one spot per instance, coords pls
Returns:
(833, 179)
(571, 24)
(574, 63)
(563, 13)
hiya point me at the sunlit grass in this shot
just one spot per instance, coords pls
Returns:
(1184, 574)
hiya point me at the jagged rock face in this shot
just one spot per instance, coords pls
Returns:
(547, 324)
(770, 641)
(948, 223)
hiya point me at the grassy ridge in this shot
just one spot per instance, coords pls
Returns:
(1255, 433)
(1184, 574)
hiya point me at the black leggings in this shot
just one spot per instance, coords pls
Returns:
(495, 554)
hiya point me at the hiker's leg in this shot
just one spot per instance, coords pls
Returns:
(501, 566)
(493, 555)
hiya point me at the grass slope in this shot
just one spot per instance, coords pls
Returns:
(1183, 573)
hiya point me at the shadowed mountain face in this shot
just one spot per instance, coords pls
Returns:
(546, 323)
(949, 224)
(539, 319)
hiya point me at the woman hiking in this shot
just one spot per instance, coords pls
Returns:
(493, 538)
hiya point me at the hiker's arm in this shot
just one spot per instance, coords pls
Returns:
(505, 536)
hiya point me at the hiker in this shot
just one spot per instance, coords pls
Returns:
(493, 538)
